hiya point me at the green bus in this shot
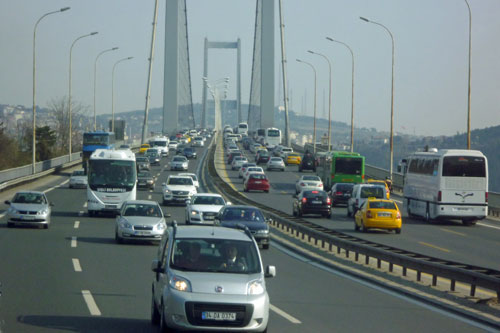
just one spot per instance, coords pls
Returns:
(341, 167)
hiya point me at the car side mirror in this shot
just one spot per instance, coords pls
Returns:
(188, 202)
(229, 203)
(270, 271)
(51, 204)
(167, 215)
(7, 202)
(269, 220)
(155, 266)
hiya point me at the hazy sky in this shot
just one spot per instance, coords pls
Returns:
(431, 56)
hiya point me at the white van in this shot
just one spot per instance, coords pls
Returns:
(361, 192)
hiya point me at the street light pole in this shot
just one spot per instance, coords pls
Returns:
(95, 81)
(113, 93)
(69, 97)
(34, 81)
(392, 94)
(352, 89)
(468, 78)
(329, 97)
(314, 121)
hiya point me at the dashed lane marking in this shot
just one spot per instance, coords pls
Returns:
(453, 232)
(80, 213)
(285, 315)
(85, 204)
(488, 226)
(149, 197)
(76, 265)
(73, 241)
(77, 224)
(434, 247)
(91, 304)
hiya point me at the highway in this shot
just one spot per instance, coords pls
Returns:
(74, 277)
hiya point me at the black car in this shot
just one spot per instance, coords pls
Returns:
(180, 149)
(308, 162)
(340, 193)
(249, 216)
(262, 157)
(312, 202)
(189, 152)
(145, 180)
(142, 163)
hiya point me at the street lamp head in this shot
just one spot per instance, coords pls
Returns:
(330, 39)
(298, 60)
(115, 48)
(364, 19)
(312, 52)
(64, 9)
(94, 33)
(130, 58)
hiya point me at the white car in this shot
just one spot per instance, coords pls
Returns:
(284, 152)
(193, 176)
(275, 163)
(244, 167)
(178, 189)
(140, 220)
(252, 169)
(308, 182)
(179, 163)
(203, 207)
(231, 149)
(78, 179)
(238, 161)
(173, 144)
(254, 147)
(197, 141)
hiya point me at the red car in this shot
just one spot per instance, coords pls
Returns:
(258, 182)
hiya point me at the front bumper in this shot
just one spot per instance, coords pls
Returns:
(142, 235)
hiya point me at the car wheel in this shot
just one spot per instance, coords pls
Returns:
(348, 212)
(329, 215)
(164, 203)
(363, 228)
(294, 213)
(245, 189)
(299, 213)
(10, 224)
(397, 231)
(91, 213)
(45, 226)
(468, 222)
(427, 217)
(155, 314)
(118, 239)
(265, 246)
(267, 191)
(356, 226)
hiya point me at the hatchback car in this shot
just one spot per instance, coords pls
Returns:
(340, 193)
(308, 182)
(244, 167)
(232, 155)
(248, 216)
(29, 208)
(254, 169)
(312, 202)
(179, 163)
(203, 207)
(381, 183)
(275, 163)
(262, 156)
(380, 214)
(256, 182)
(293, 158)
(209, 279)
(78, 179)
(189, 152)
(140, 220)
(145, 180)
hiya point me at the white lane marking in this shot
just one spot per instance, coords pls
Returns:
(85, 204)
(398, 201)
(149, 197)
(54, 187)
(87, 297)
(488, 226)
(158, 174)
(77, 224)
(73, 241)
(2, 215)
(80, 213)
(285, 315)
(76, 265)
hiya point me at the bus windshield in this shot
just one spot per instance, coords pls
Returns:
(95, 139)
(464, 166)
(160, 143)
(111, 173)
(348, 165)
(273, 133)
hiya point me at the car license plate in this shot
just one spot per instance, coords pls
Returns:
(462, 209)
(258, 182)
(384, 214)
(142, 233)
(316, 202)
(27, 217)
(209, 315)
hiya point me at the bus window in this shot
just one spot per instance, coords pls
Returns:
(464, 166)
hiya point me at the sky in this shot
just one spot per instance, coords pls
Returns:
(430, 67)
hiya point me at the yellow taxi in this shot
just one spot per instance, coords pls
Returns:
(293, 158)
(144, 147)
(380, 214)
(382, 183)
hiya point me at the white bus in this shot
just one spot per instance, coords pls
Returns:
(447, 184)
(112, 179)
(242, 128)
(272, 137)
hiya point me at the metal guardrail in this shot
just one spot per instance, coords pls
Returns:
(456, 272)
(397, 183)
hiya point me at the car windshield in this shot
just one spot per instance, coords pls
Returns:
(179, 159)
(207, 200)
(372, 191)
(29, 198)
(141, 159)
(344, 187)
(180, 181)
(144, 174)
(215, 256)
(276, 159)
(242, 214)
(255, 169)
(147, 210)
(382, 205)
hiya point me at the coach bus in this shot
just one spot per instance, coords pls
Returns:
(340, 167)
(112, 179)
(272, 137)
(93, 141)
(447, 184)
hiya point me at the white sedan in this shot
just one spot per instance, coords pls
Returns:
(308, 182)
(203, 207)
(238, 161)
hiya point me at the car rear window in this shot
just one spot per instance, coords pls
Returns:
(382, 205)
(258, 176)
(372, 191)
(344, 187)
(315, 194)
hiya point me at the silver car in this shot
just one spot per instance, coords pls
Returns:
(209, 279)
(78, 179)
(202, 208)
(275, 163)
(140, 220)
(29, 208)
(179, 163)
(308, 182)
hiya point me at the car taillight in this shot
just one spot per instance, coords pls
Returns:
(398, 215)
(440, 195)
(304, 200)
(333, 175)
(338, 193)
(328, 201)
(486, 197)
(302, 184)
(369, 214)
(320, 185)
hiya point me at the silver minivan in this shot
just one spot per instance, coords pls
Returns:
(209, 279)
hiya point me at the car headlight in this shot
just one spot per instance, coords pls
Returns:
(255, 287)
(12, 210)
(185, 164)
(126, 225)
(42, 212)
(166, 191)
(180, 283)
(160, 226)
(195, 212)
(150, 181)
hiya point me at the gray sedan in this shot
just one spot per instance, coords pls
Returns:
(276, 163)
(29, 208)
(140, 220)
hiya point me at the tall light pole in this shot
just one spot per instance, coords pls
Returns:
(95, 81)
(352, 89)
(468, 78)
(392, 94)
(314, 121)
(329, 97)
(69, 95)
(34, 80)
(113, 93)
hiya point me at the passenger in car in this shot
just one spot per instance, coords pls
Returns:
(232, 261)
(191, 257)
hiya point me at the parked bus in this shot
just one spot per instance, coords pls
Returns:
(112, 179)
(272, 137)
(242, 128)
(93, 141)
(340, 167)
(447, 184)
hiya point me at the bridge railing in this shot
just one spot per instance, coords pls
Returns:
(397, 179)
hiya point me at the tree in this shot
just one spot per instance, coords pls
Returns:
(46, 140)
